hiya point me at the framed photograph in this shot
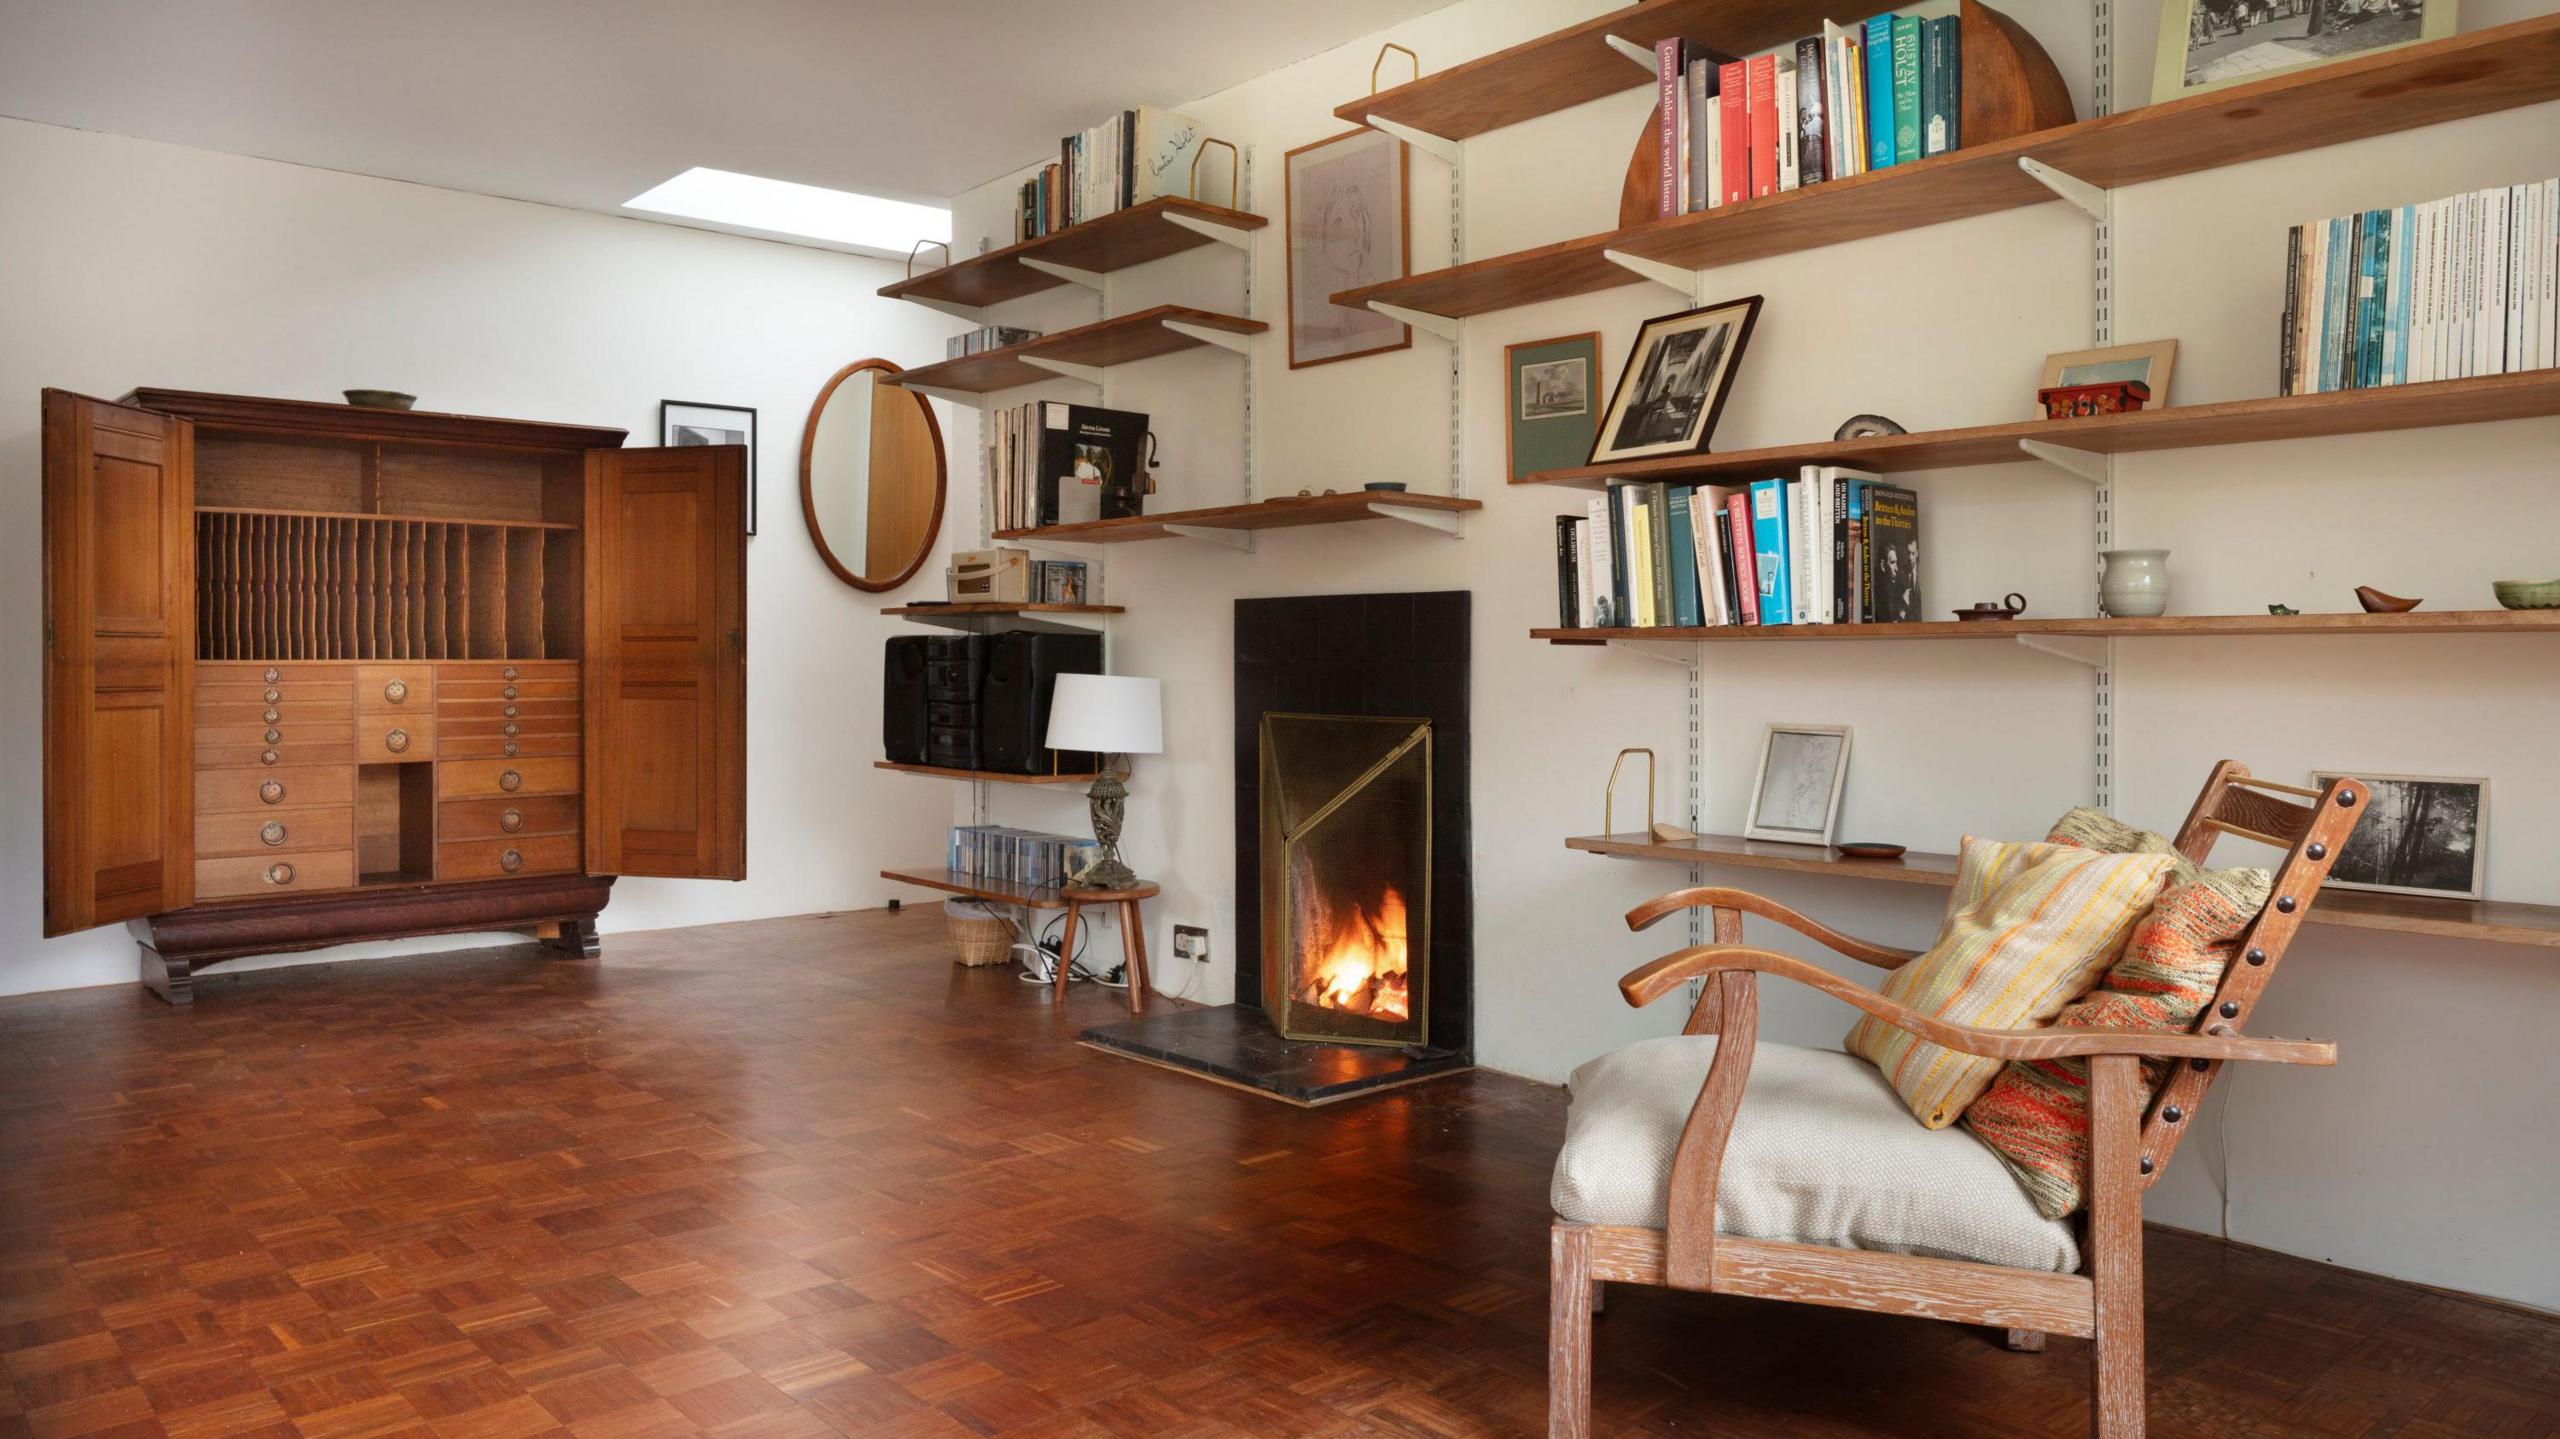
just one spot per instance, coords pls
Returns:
(1674, 383)
(1347, 220)
(689, 422)
(2421, 834)
(2148, 363)
(1796, 798)
(1553, 412)
(2208, 44)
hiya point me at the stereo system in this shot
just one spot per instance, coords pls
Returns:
(981, 702)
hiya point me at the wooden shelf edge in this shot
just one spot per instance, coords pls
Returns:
(970, 886)
(980, 776)
(989, 371)
(939, 279)
(2482, 921)
(1282, 513)
(2417, 622)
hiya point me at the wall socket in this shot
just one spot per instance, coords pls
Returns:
(1190, 941)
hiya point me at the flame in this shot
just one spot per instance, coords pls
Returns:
(1362, 965)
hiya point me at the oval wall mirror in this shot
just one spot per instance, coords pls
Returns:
(871, 477)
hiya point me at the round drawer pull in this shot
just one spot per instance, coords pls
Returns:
(272, 792)
(508, 673)
(271, 716)
(274, 735)
(397, 741)
(508, 693)
(509, 711)
(511, 821)
(279, 873)
(273, 695)
(511, 861)
(508, 728)
(269, 757)
(271, 833)
(510, 781)
(397, 691)
(510, 749)
(274, 674)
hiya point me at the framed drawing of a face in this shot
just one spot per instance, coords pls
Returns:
(1348, 222)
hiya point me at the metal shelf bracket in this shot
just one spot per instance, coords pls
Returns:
(1232, 539)
(1682, 654)
(2090, 198)
(1424, 140)
(2087, 464)
(1090, 279)
(1448, 522)
(1223, 339)
(1090, 374)
(1642, 55)
(2090, 650)
(1442, 325)
(1223, 234)
(1670, 277)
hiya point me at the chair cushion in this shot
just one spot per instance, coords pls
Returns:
(1823, 1152)
(2035, 1116)
(2029, 929)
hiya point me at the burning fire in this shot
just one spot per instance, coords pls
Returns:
(1360, 966)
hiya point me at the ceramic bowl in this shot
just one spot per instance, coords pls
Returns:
(380, 399)
(2527, 594)
(2376, 602)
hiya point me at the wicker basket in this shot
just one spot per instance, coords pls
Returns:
(979, 936)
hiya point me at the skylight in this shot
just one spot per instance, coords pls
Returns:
(780, 207)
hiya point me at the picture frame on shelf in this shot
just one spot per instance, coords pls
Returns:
(1551, 409)
(1795, 798)
(2212, 44)
(2421, 834)
(2147, 363)
(1349, 221)
(1673, 386)
(683, 423)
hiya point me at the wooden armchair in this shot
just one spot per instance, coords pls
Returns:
(2129, 1147)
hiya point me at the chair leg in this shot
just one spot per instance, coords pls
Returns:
(1569, 1289)
(2117, 1401)
(1066, 952)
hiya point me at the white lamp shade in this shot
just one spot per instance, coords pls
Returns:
(1107, 714)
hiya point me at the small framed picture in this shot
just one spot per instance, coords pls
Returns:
(2421, 834)
(2148, 363)
(2208, 44)
(689, 422)
(1796, 798)
(1552, 412)
(1674, 383)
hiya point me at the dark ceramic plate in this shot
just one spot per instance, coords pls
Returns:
(1860, 849)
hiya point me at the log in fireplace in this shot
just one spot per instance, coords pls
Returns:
(1346, 877)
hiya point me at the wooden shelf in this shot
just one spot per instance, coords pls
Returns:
(1117, 341)
(2500, 68)
(996, 891)
(982, 776)
(2530, 395)
(1113, 242)
(975, 607)
(2499, 921)
(1279, 514)
(2419, 622)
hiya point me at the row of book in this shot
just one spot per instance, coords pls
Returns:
(985, 338)
(1052, 463)
(1132, 157)
(1852, 99)
(2451, 289)
(1019, 856)
(1830, 546)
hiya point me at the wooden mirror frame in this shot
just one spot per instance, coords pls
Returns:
(808, 500)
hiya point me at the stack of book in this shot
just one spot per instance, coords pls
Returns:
(1019, 856)
(983, 339)
(1133, 157)
(1841, 103)
(1053, 463)
(2448, 290)
(1830, 546)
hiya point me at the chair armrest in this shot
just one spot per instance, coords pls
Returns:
(1651, 981)
(1744, 901)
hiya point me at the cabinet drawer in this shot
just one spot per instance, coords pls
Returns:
(558, 712)
(227, 790)
(496, 689)
(395, 687)
(276, 831)
(497, 778)
(395, 738)
(506, 858)
(448, 726)
(339, 697)
(255, 713)
(497, 818)
(505, 671)
(453, 746)
(253, 672)
(257, 874)
(255, 754)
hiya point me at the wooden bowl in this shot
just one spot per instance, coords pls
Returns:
(380, 399)
(1868, 849)
(2527, 594)
(2375, 602)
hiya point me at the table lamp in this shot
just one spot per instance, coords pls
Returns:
(1107, 715)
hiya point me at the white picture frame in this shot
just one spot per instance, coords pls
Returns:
(1795, 797)
(2373, 859)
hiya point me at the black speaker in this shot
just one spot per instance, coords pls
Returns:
(903, 717)
(955, 666)
(1013, 706)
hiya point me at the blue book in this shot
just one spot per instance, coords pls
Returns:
(1769, 551)
(2404, 273)
(1685, 608)
(2337, 262)
(1880, 139)
(2373, 262)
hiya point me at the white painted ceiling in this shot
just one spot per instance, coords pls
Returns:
(586, 103)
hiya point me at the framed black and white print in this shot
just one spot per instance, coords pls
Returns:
(1674, 382)
(2421, 834)
(2208, 44)
(1795, 798)
(690, 422)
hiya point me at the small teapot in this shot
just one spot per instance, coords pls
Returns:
(2010, 607)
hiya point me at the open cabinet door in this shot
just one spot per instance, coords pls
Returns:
(119, 674)
(666, 662)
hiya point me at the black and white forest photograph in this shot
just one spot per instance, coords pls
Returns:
(2421, 834)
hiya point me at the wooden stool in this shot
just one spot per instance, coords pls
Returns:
(1133, 936)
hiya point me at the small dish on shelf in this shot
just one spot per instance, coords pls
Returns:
(1868, 849)
(2527, 594)
(380, 399)
(2375, 602)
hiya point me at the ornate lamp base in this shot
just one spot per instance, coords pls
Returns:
(1110, 801)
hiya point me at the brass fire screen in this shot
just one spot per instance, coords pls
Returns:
(1346, 877)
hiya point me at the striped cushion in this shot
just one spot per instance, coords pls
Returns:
(2029, 928)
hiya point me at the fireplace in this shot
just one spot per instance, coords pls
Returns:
(1346, 877)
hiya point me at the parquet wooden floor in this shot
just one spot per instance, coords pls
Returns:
(807, 1177)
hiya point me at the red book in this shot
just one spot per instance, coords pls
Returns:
(1666, 75)
(1733, 122)
(1746, 581)
(1763, 105)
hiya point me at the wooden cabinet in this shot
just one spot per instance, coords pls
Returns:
(316, 673)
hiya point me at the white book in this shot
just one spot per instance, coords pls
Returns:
(2315, 289)
(1702, 550)
(1839, 123)
(1788, 177)
(2422, 313)
(2493, 294)
(1800, 545)
(2457, 288)
(1582, 615)
(1715, 154)
(1604, 563)
(2550, 250)
(2511, 271)
(1716, 502)
(1819, 549)
(2449, 288)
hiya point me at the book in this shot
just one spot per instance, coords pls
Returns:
(1158, 152)
(2404, 252)
(1698, 88)
(1854, 579)
(1843, 594)
(1813, 144)
(1640, 557)
(2372, 303)
(1621, 559)
(1846, 147)
(1733, 122)
(1790, 116)
(1941, 83)
(2519, 225)
(1602, 569)
(1682, 553)
(1715, 562)
(1769, 550)
(1803, 586)
(2292, 310)
(1906, 89)
(1893, 565)
(1713, 147)
(1657, 528)
(1723, 528)
(1761, 100)
(1878, 107)
(1668, 68)
(1568, 571)
(1741, 546)
(1087, 464)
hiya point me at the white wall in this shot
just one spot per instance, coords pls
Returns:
(2420, 1155)
(124, 263)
